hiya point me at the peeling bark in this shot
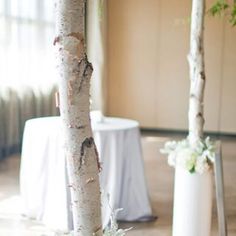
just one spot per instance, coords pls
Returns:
(197, 72)
(74, 72)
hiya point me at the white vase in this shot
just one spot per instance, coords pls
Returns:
(192, 203)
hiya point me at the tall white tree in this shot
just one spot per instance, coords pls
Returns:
(74, 72)
(196, 61)
(197, 72)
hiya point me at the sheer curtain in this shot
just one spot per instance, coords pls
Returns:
(27, 71)
(96, 32)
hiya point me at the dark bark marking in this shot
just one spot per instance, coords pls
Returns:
(97, 230)
(88, 69)
(203, 76)
(193, 96)
(86, 66)
(97, 158)
(56, 40)
(90, 180)
(83, 70)
(199, 115)
(88, 143)
(72, 186)
(76, 127)
(200, 48)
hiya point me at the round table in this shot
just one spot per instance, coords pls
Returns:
(43, 175)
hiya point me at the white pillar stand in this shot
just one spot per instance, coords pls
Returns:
(192, 203)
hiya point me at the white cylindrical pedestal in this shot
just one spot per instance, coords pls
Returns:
(192, 203)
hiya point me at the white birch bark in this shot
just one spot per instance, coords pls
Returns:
(197, 72)
(74, 72)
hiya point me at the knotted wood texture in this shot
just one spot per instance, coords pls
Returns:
(197, 72)
(74, 72)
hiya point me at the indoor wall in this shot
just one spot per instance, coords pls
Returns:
(148, 76)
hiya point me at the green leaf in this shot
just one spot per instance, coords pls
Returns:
(218, 8)
(221, 7)
(192, 170)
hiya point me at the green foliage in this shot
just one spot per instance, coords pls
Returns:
(192, 170)
(198, 158)
(219, 7)
(233, 15)
(222, 7)
(113, 230)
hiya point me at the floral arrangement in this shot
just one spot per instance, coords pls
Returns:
(113, 230)
(197, 159)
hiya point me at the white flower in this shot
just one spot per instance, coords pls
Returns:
(202, 164)
(169, 147)
(194, 159)
(172, 159)
(187, 159)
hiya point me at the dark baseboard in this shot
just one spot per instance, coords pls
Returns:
(8, 151)
(184, 133)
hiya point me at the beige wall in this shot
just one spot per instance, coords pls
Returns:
(148, 42)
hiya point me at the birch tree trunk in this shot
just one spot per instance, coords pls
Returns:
(74, 72)
(197, 72)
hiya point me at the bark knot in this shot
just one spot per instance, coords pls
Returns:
(82, 71)
(199, 114)
(88, 143)
(56, 40)
(97, 230)
(203, 76)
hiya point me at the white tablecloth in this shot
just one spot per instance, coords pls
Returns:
(43, 176)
